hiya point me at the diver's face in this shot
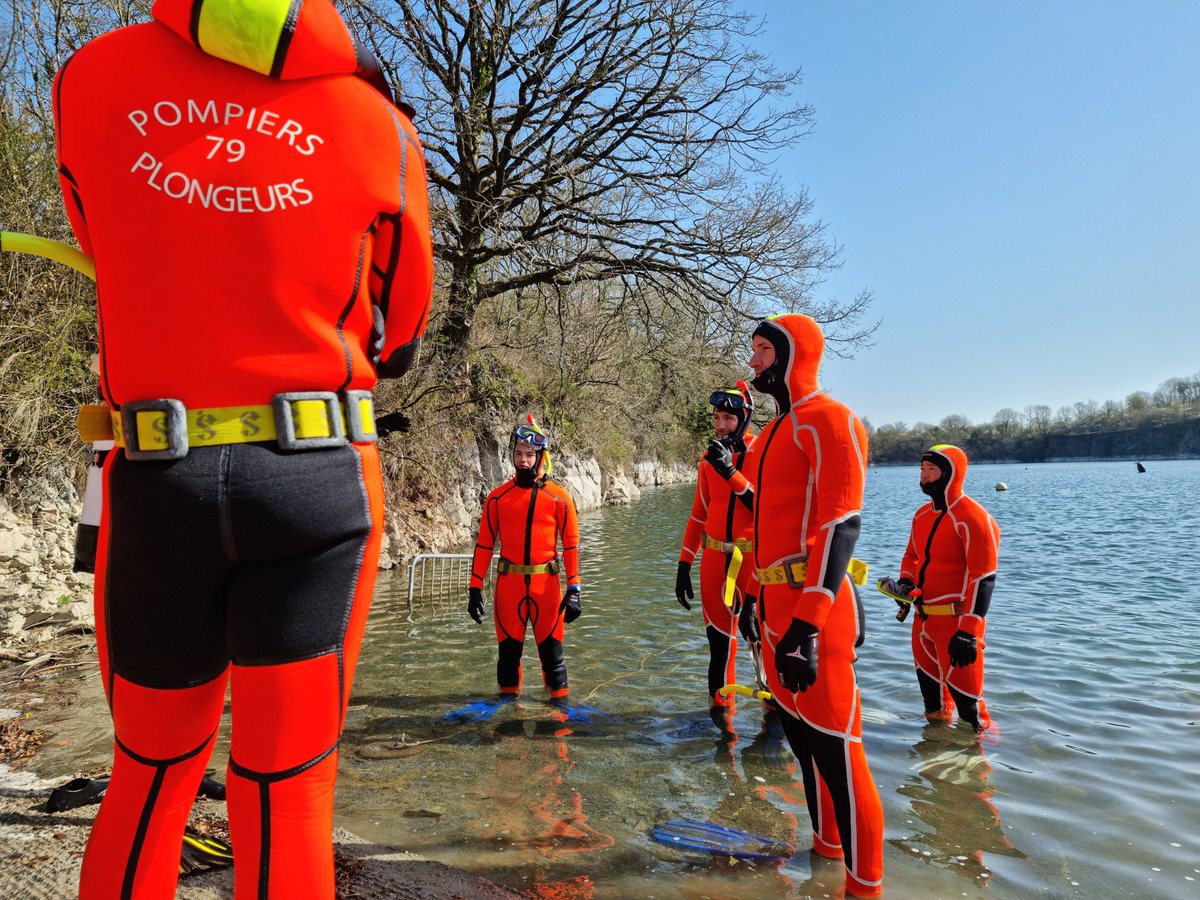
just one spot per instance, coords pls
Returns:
(929, 472)
(763, 355)
(524, 456)
(724, 423)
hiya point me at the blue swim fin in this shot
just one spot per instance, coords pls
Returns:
(694, 834)
(478, 711)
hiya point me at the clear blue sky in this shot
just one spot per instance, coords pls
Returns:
(1019, 185)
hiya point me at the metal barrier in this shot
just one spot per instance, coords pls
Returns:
(439, 574)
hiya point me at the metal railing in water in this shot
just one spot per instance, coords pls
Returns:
(439, 574)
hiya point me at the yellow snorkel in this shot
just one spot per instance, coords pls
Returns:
(17, 242)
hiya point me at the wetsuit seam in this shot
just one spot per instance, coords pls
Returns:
(285, 38)
(224, 506)
(256, 661)
(364, 496)
(264, 851)
(341, 322)
(283, 774)
(139, 836)
(154, 763)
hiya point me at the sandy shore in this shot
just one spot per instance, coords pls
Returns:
(41, 852)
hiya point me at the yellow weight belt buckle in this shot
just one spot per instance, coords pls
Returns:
(742, 544)
(154, 437)
(300, 426)
(791, 571)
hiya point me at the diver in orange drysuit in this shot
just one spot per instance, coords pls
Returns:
(721, 523)
(949, 566)
(256, 205)
(527, 515)
(808, 469)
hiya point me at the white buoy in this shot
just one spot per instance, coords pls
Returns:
(1001, 486)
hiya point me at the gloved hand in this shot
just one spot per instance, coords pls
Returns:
(964, 649)
(748, 620)
(393, 421)
(720, 459)
(796, 656)
(475, 604)
(683, 583)
(570, 608)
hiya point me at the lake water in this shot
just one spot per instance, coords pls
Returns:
(1091, 788)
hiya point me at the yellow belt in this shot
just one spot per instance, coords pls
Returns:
(793, 572)
(165, 429)
(735, 548)
(504, 567)
(941, 609)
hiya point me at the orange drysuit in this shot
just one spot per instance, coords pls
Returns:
(808, 468)
(527, 522)
(718, 516)
(258, 214)
(951, 560)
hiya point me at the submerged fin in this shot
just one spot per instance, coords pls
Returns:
(478, 711)
(694, 834)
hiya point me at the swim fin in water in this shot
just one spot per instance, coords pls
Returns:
(201, 853)
(478, 711)
(694, 834)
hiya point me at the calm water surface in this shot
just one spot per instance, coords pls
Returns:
(1090, 789)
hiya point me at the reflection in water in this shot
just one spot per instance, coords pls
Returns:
(534, 806)
(952, 795)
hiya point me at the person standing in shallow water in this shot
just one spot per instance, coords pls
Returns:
(808, 468)
(949, 569)
(720, 521)
(527, 516)
(254, 282)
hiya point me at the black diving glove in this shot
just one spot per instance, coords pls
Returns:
(683, 584)
(720, 459)
(475, 604)
(570, 608)
(391, 422)
(748, 621)
(796, 656)
(964, 649)
(901, 586)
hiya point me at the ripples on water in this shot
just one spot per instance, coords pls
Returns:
(1090, 789)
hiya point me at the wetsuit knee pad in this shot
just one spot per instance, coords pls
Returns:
(968, 708)
(554, 670)
(508, 663)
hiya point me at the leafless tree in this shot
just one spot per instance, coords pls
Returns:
(622, 142)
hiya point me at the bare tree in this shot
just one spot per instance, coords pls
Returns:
(625, 142)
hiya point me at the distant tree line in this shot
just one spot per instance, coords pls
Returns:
(1162, 423)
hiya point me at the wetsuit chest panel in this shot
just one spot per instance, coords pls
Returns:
(783, 475)
(528, 526)
(941, 558)
(728, 518)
